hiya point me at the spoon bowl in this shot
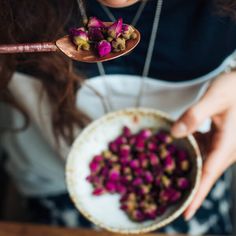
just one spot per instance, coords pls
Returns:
(66, 46)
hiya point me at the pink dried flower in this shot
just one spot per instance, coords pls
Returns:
(98, 191)
(124, 150)
(151, 146)
(121, 189)
(154, 160)
(127, 31)
(165, 181)
(184, 165)
(114, 174)
(144, 163)
(95, 34)
(183, 183)
(126, 132)
(120, 140)
(113, 147)
(148, 176)
(134, 164)
(137, 215)
(111, 187)
(103, 48)
(98, 158)
(80, 38)
(95, 22)
(115, 30)
(137, 182)
(145, 133)
(140, 145)
(94, 166)
(169, 165)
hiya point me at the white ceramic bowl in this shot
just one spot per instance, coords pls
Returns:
(104, 210)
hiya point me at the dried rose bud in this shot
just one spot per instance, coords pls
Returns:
(105, 170)
(138, 171)
(134, 164)
(98, 158)
(144, 189)
(164, 137)
(125, 160)
(145, 134)
(151, 146)
(154, 160)
(142, 156)
(94, 166)
(137, 215)
(163, 152)
(124, 150)
(134, 35)
(131, 197)
(164, 196)
(126, 179)
(114, 174)
(132, 140)
(95, 34)
(106, 154)
(183, 183)
(144, 163)
(111, 187)
(171, 148)
(137, 181)
(169, 165)
(80, 38)
(127, 170)
(120, 140)
(95, 22)
(115, 30)
(121, 189)
(113, 147)
(114, 158)
(148, 176)
(165, 181)
(151, 212)
(184, 165)
(118, 44)
(140, 145)
(127, 31)
(175, 195)
(158, 181)
(103, 48)
(126, 132)
(98, 191)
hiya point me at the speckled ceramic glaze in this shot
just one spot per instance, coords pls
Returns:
(104, 210)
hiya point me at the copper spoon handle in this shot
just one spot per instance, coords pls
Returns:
(28, 47)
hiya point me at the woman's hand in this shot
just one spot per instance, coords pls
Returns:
(118, 3)
(218, 103)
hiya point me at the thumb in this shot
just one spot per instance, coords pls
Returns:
(210, 104)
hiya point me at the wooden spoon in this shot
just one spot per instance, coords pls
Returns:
(65, 45)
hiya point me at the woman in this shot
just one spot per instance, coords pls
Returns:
(194, 46)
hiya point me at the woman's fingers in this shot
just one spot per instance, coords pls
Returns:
(210, 104)
(212, 170)
(218, 160)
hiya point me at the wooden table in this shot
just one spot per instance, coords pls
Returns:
(16, 229)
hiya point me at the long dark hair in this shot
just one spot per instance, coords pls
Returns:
(45, 20)
(33, 21)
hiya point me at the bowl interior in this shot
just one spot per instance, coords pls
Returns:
(104, 210)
